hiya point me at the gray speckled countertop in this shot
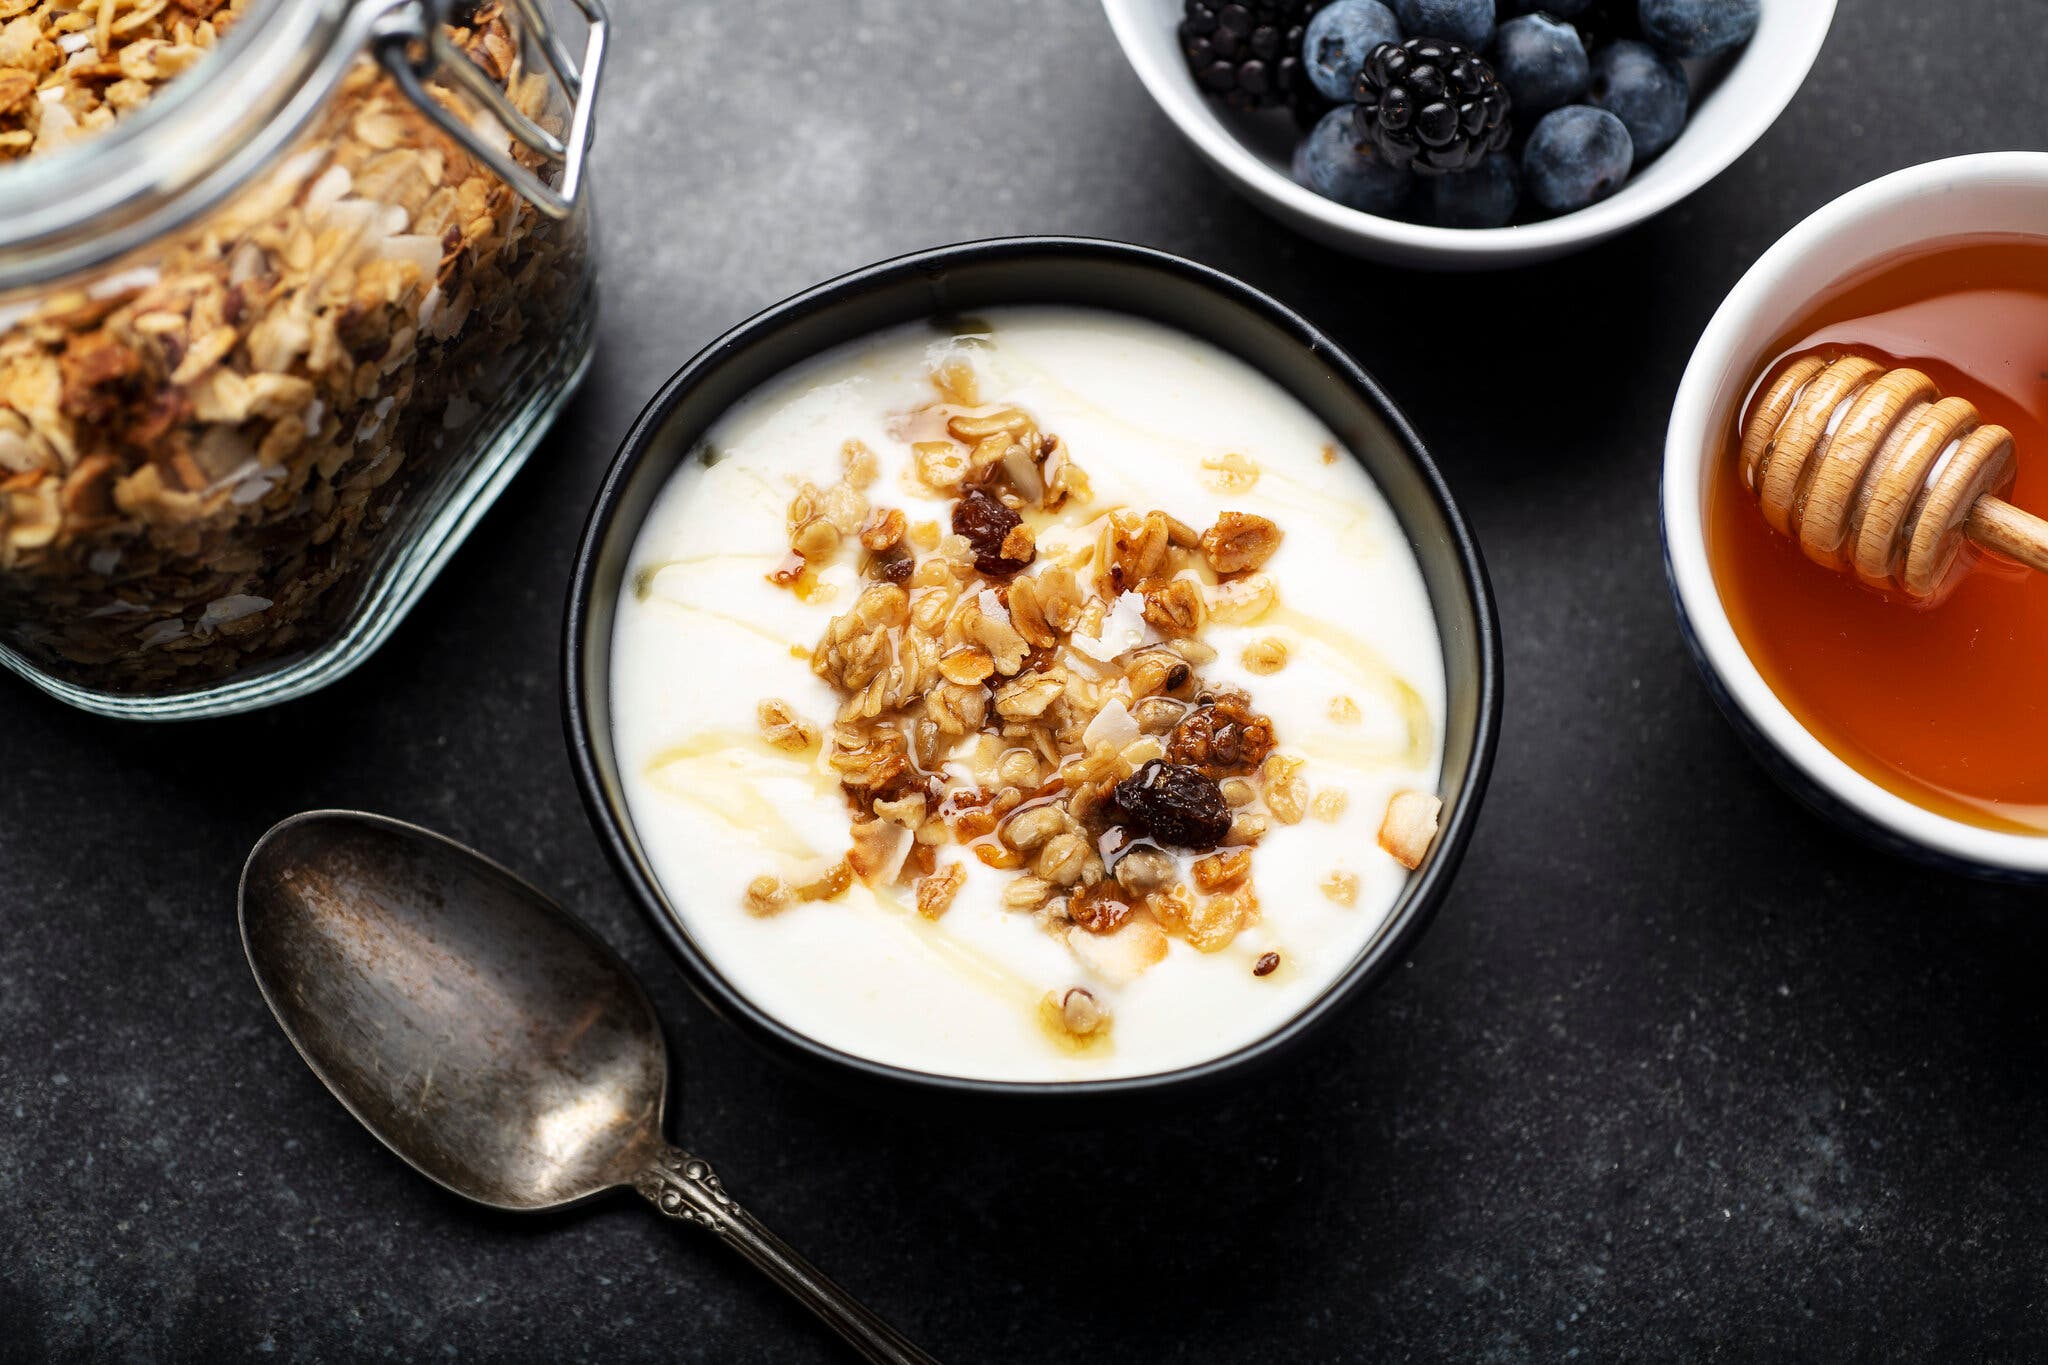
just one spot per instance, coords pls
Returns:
(1679, 1071)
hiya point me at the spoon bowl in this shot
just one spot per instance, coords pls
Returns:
(487, 1036)
(497, 1045)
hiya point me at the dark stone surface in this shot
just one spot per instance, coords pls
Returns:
(1679, 1072)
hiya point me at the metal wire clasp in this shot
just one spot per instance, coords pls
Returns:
(413, 45)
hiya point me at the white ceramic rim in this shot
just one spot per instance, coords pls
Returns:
(1688, 442)
(1172, 89)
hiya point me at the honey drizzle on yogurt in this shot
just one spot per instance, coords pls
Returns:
(1374, 672)
(711, 770)
(716, 770)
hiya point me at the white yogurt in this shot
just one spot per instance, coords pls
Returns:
(706, 637)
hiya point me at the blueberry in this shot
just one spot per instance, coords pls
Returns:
(1340, 38)
(1482, 198)
(1577, 156)
(1699, 28)
(1646, 90)
(1542, 63)
(1603, 21)
(1462, 21)
(1332, 162)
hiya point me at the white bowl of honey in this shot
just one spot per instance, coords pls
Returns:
(1864, 416)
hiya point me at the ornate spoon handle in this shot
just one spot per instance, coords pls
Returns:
(686, 1188)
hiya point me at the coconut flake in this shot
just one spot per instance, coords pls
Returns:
(248, 262)
(490, 131)
(366, 219)
(1023, 472)
(16, 452)
(233, 607)
(75, 42)
(257, 485)
(121, 281)
(326, 192)
(58, 128)
(1113, 725)
(890, 857)
(1123, 629)
(992, 606)
(233, 476)
(104, 561)
(423, 251)
(430, 304)
(163, 632)
(296, 168)
(114, 608)
(1125, 954)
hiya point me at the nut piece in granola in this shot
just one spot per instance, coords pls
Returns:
(1410, 826)
(1239, 541)
(1100, 909)
(1077, 1013)
(766, 895)
(1222, 737)
(935, 893)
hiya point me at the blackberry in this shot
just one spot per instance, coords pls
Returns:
(1431, 105)
(1247, 53)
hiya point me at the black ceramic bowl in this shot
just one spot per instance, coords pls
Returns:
(1037, 270)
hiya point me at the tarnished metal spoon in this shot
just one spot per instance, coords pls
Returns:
(486, 1036)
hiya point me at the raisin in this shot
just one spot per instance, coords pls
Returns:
(1174, 803)
(981, 517)
(1098, 909)
(1223, 738)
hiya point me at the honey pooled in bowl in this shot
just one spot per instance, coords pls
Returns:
(1942, 704)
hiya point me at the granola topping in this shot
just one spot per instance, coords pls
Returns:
(1033, 783)
(981, 667)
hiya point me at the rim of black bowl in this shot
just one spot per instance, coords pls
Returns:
(1385, 950)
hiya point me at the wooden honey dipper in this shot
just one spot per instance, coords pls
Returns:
(1871, 469)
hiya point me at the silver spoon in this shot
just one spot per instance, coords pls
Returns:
(487, 1036)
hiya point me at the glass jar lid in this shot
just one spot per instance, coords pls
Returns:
(212, 130)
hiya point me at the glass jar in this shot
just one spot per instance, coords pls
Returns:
(273, 341)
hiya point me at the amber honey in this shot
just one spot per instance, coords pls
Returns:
(1944, 704)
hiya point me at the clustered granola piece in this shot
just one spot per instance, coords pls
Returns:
(198, 454)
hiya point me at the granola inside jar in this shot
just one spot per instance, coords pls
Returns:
(251, 400)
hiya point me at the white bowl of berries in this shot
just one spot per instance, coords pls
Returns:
(1470, 134)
